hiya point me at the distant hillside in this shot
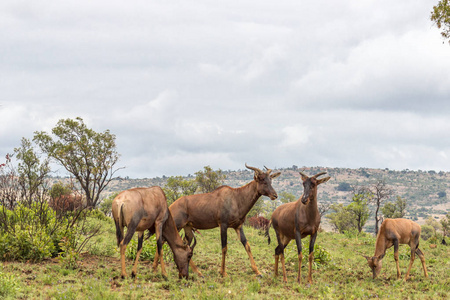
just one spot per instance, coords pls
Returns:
(427, 193)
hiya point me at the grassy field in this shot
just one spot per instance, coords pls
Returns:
(345, 276)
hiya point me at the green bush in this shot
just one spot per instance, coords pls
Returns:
(427, 232)
(106, 205)
(32, 233)
(321, 255)
(68, 256)
(98, 214)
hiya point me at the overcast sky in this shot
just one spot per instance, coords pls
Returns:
(185, 84)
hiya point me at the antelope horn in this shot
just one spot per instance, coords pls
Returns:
(303, 174)
(254, 169)
(319, 174)
(195, 243)
(268, 170)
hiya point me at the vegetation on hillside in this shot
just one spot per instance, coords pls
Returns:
(425, 192)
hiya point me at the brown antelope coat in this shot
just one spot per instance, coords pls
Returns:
(296, 220)
(394, 232)
(225, 207)
(141, 209)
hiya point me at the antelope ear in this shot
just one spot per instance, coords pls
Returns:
(366, 257)
(323, 180)
(380, 256)
(275, 175)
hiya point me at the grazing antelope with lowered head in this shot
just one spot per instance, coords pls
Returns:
(392, 233)
(296, 220)
(225, 207)
(141, 209)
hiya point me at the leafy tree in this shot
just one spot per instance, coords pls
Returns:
(401, 207)
(106, 204)
(342, 219)
(441, 18)
(177, 186)
(359, 208)
(88, 155)
(271, 205)
(32, 173)
(324, 208)
(388, 210)
(395, 210)
(208, 180)
(286, 197)
(60, 189)
(430, 221)
(257, 209)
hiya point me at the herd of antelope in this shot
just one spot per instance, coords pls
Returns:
(145, 209)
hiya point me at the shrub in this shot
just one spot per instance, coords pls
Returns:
(98, 214)
(321, 255)
(68, 256)
(427, 232)
(106, 204)
(26, 236)
(35, 231)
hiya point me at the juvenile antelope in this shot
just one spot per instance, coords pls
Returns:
(392, 233)
(296, 220)
(225, 207)
(142, 209)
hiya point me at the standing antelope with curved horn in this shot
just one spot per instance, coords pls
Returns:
(141, 209)
(225, 207)
(296, 220)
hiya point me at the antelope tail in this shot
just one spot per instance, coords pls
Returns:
(119, 226)
(267, 231)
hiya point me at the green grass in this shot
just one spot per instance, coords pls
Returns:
(345, 276)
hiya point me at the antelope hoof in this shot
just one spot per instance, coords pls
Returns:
(199, 274)
(133, 275)
(123, 276)
(259, 275)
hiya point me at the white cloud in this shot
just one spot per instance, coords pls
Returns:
(183, 85)
(295, 136)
